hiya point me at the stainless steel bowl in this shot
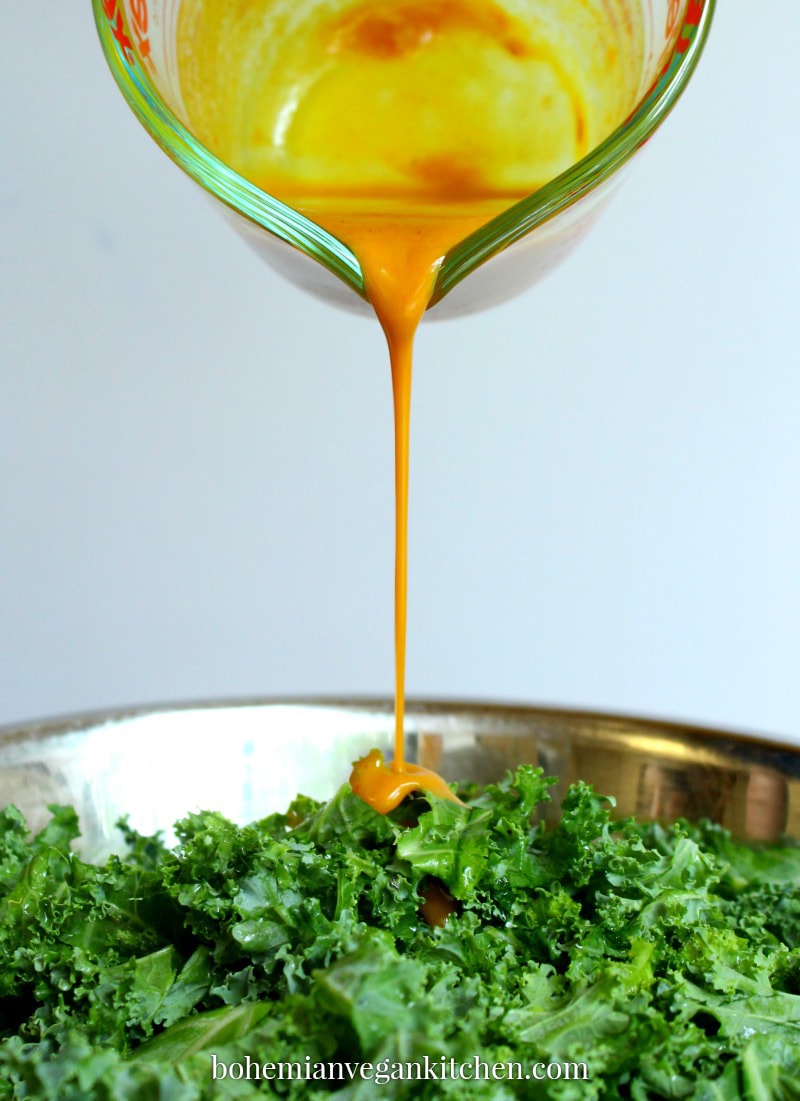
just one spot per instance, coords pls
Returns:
(248, 758)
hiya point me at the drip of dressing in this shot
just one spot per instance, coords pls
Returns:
(399, 258)
(438, 904)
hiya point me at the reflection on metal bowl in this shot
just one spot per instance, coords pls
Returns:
(248, 758)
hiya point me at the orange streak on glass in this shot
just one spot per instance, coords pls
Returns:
(389, 29)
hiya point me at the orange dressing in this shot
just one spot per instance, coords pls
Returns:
(400, 258)
(401, 126)
(385, 787)
(438, 904)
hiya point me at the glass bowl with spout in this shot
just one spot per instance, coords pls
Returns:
(513, 250)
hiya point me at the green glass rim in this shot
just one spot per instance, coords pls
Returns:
(288, 225)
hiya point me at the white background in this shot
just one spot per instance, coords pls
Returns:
(195, 459)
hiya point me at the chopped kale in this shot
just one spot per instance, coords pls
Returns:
(666, 959)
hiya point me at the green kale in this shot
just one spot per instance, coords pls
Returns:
(667, 960)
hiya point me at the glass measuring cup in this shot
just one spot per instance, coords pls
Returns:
(510, 252)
